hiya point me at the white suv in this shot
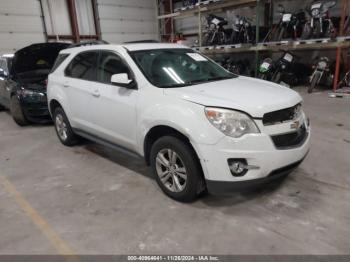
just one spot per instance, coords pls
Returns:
(197, 125)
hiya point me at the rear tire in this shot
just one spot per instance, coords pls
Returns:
(317, 31)
(281, 34)
(307, 31)
(313, 84)
(63, 128)
(17, 112)
(177, 169)
(2, 108)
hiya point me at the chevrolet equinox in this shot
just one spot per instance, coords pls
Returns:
(197, 125)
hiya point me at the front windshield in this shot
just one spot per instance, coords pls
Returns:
(167, 68)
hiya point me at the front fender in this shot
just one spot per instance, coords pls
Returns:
(186, 117)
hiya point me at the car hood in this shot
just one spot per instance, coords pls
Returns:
(36, 57)
(253, 96)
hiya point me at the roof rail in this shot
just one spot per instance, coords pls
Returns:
(88, 43)
(142, 42)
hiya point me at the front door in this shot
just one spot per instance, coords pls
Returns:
(115, 106)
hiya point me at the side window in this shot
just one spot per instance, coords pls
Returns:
(59, 60)
(110, 64)
(83, 66)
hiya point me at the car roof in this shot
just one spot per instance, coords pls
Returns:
(129, 47)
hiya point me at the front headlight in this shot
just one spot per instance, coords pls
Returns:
(315, 12)
(29, 93)
(231, 123)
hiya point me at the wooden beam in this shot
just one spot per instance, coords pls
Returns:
(96, 19)
(73, 20)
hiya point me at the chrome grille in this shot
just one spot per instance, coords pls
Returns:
(282, 115)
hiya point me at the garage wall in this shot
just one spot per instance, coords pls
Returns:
(20, 24)
(56, 17)
(127, 20)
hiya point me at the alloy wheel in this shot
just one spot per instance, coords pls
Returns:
(171, 170)
(61, 127)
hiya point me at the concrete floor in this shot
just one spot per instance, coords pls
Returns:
(97, 201)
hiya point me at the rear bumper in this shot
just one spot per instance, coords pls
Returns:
(225, 188)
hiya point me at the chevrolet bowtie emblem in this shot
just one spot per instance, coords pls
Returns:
(295, 125)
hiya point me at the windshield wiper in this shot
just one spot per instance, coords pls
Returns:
(175, 85)
(197, 81)
(222, 78)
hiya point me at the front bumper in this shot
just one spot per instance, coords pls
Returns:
(36, 109)
(222, 187)
(259, 151)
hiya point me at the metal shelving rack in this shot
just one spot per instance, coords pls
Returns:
(340, 43)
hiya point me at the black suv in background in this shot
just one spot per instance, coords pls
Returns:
(23, 79)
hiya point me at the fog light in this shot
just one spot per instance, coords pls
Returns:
(240, 167)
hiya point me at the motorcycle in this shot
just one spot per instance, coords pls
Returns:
(321, 71)
(286, 70)
(238, 67)
(289, 26)
(187, 3)
(345, 82)
(242, 31)
(216, 33)
(320, 24)
(278, 71)
(265, 70)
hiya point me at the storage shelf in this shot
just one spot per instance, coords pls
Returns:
(314, 44)
(211, 6)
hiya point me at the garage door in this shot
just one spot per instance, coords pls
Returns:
(127, 20)
(20, 24)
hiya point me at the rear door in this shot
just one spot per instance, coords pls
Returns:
(80, 84)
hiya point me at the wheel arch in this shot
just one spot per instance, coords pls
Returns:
(159, 131)
(53, 105)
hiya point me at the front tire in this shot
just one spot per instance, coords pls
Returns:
(63, 128)
(177, 169)
(17, 112)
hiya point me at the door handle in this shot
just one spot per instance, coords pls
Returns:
(96, 93)
(65, 85)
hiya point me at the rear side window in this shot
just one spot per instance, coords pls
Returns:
(83, 66)
(59, 60)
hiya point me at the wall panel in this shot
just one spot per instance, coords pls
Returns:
(130, 20)
(20, 24)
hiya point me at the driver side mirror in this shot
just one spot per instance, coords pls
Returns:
(123, 81)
